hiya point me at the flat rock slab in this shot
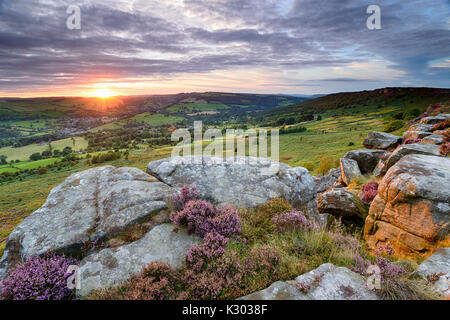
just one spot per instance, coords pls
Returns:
(381, 140)
(412, 207)
(413, 148)
(111, 267)
(245, 182)
(88, 205)
(434, 139)
(438, 263)
(335, 283)
(433, 120)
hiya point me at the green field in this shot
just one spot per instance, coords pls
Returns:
(24, 153)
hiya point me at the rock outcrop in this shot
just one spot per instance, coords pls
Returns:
(381, 140)
(412, 208)
(414, 148)
(341, 203)
(367, 159)
(244, 182)
(434, 139)
(438, 265)
(349, 170)
(111, 267)
(89, 205)
(327, 282)
(433, 120)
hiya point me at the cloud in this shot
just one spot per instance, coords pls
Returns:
(151, 39)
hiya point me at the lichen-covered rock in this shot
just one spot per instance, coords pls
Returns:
(111, 267)
(327, 282)
(434, 139)
(380, 169)
(381, 140)
(433, 120)
(327, 181)
(88, 206)
(414, 135)
(243, 182)
(341, 203)
(349, 170)
(367, 159)
(438, 265)
(413, 148)
(412, 208)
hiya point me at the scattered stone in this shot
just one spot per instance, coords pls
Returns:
(412, 208)
(367, 159)
(90, 205)
(349, 170)
(433, 120)
(438, 265)
(341, 203)
(433, 139)
(381, 140)
(111, 267)
(327, 181)
(245, 182)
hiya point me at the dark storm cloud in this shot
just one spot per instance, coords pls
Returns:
(36, 48)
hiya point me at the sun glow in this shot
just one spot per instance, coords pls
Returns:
(103, 93)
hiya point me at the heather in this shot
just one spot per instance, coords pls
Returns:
(39, 278)
(411, 141)
(369, 192)
(444, 149)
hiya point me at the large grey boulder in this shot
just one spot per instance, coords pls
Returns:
(438, 265)
(381, 140)
(349, 170)
(412, 208)
(111, 267)
(341, 203)
(413, 148)
(327, 282)
(327, 181)
(241, 181)
(89, 205)
(367, 159)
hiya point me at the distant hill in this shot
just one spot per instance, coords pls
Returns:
(398, 97)
(15, 109)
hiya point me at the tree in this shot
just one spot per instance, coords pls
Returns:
(67, 151)
(3, 159)
(36, 156)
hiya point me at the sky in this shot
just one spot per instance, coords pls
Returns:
(252, 46)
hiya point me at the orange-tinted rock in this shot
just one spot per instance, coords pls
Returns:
(412, 208)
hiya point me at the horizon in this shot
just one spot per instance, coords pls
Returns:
(289, 47)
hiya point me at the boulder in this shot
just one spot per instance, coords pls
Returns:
(341, 203)
(412, 207)
(433, 120)
(434, 139)
(327, 282)
(241, 181)
(367, 159)
(327, 181)
(414, 135)
(413, 148)
(380, 169)
(349, 170)
(90, 205)
(113, 266)
(438, 265)
(421, 127)
(381, 140)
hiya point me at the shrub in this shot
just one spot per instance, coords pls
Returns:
(35, 156)
(393, 125)
(39, 278)
(201, 217)
(213, 247)
(186, 194)
(292, 221)
(444, 148)
(309, 166)
(369, 192)
(410, 141)
(326, 163)
(42, 170)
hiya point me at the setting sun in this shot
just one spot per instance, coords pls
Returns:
(103, 93)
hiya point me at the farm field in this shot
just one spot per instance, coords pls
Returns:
(24, 153)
